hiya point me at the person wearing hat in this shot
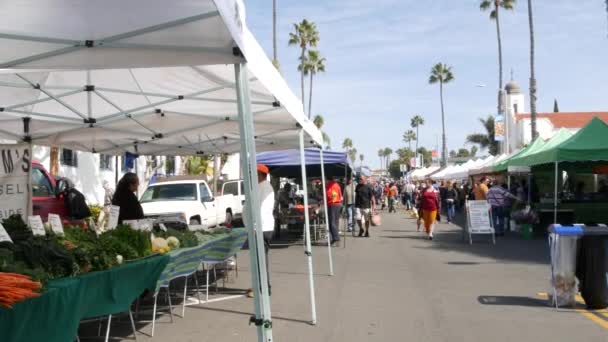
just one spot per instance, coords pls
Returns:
(266, 201)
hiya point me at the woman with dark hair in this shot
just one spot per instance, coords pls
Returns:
(430, 206)
(125, 198)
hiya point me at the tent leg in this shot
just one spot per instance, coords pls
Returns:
(308, 251)
(555, 194)
(331, 264)
(259, 281)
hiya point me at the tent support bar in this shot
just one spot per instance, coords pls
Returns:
(257, 259)
(230, 117)
(555, 193)
(72, 109)
(160, 103)
(38, 39)
(308, 250)
(331, 263)
(172, 48)
(33, 102)
(33, 58)
(43, 115)
(126, 115)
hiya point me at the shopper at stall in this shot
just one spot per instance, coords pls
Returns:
(499, 199)
(266, 202)
(349, 203)
(333, 191)
(125, 198)
(365, 203)
(430, 206)
(451, 198)
(482, 189)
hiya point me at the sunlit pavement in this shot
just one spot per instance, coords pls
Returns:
(397, 286)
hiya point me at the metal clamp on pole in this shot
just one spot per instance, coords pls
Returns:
(309, 253)
(258, 322)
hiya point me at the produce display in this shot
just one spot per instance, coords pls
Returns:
(15, 288)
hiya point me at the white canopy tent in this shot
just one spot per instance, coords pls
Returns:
(463, 171)
(487, 163)
(420, 174)
(151, 77)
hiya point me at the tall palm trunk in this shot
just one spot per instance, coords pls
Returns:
(532, 74)
(310, 96)
(275, 56)
(500, 97)
(443, 143)
(302, 78)
(417, 138)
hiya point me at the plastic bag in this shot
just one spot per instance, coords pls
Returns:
(376, 220)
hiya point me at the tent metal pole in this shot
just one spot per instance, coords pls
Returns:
(308, 249)
(331, 263)
(555, 195)
(46, 99)
(259, 281)
(58, 100)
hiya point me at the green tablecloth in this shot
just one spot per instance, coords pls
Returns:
(55, 315)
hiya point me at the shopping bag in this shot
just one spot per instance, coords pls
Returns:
(376, 220)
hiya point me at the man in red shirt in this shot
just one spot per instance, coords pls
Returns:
(333, 192)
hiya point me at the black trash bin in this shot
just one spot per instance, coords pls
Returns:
(591, 271)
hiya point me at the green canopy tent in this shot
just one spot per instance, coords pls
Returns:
(587, 145)
(504, 164)
(541, 154)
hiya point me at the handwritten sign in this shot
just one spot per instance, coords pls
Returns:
(35, 223)
(15, 165)
(113, 217)
(56, 224)
(4, 235)
(145, 225)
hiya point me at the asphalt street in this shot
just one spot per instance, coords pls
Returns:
(398, 286)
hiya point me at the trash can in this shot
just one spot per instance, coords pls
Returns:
(563, 266)
(591, 270)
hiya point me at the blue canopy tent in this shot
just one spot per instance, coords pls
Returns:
(286, 163)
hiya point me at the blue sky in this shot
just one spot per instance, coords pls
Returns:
(379, 54)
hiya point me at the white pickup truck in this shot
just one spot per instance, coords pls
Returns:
(191, 201)
(237, 189)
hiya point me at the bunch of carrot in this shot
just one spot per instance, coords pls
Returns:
(15, 288)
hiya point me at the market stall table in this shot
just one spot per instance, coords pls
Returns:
(56, 314)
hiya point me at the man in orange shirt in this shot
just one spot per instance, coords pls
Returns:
(333, 192)
(392, 196)
(481, 191)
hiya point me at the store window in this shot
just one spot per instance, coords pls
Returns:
(69, 157)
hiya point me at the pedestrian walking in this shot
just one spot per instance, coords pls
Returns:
(498, 198)
(349, 203)
(333, 191)
(430, 207)
(409, 195)
(365, 203)
(392, 197)
(482, 189)
(451, 198)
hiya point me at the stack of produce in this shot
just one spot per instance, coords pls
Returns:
(15, 288)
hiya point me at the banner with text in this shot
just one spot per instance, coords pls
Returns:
(15, 165)
(499, 128)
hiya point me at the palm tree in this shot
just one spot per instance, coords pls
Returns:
(494, 6)
(381, 155)
(408, 137)
(347, 144)
(387, 154)
(319, 121)
(313, 63)
(485, 140)
(305, 35)
(352, 154)
(416, 122)
(442, 74)
(532, 73)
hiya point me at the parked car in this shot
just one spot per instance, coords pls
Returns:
(237, 189)
(190, 201)
(47, 196)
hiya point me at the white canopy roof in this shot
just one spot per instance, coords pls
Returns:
(155, 78)
(420, 174)
(487, 163)
(462, 171)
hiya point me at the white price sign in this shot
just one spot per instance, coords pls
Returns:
(145, 225)
(479, 217)
(35, 223)
(56, 224)
(113, 217)
(4, 235)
